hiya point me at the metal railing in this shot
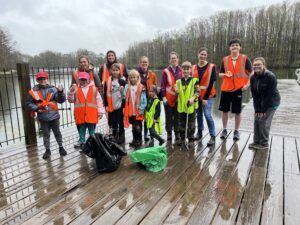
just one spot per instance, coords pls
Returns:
(13, 105)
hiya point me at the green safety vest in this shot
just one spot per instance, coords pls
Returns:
(150, 116)
(185, 95)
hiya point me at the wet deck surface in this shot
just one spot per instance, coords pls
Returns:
(286, 120)
(224, 184)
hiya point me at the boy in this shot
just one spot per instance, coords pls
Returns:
(43, 99)
(135, 104)
(235, 71)
(187, 89)
(153, 121)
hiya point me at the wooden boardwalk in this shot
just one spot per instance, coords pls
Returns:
(224, 184)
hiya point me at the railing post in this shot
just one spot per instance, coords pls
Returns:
(24, 87)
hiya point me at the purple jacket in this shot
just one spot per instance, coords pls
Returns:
(164, 79)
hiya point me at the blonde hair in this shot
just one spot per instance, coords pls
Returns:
(173, 53)
(134, 72)
(260, 59)
(144, 57)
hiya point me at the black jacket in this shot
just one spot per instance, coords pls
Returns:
(264, 91)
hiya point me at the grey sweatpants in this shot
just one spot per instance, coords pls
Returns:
(54, 126)
(262, 127)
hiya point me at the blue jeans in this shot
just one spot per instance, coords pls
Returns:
(82, 130)
(209, 120)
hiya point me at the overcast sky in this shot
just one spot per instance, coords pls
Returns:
(66, 25)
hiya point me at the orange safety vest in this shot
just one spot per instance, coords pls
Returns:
(85, 109)
(204, 80)
(170, 91)
(128, 110)
(42, 103)
(75, 76)
(105, 73)
(239, 76)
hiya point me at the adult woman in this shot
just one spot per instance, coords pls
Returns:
(266, 100)
(147, 78)
(206, 73)
(111, 58)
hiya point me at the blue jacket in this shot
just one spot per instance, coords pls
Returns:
(48, 115)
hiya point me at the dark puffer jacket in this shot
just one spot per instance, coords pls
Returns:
(51, 114)
(264, 91)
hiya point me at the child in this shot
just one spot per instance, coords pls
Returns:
(153, 116)
(88, 105)
(135, 104)
(113, 102)
(187, 89)
(43, 99)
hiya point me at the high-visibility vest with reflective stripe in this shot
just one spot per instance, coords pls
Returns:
(75, 76)
(128, 109)
(170, 91)
(85, 109)
(40, 101)
(105, 73)
(150, 117)
(239, 76)
(205, 80)
(185, 95)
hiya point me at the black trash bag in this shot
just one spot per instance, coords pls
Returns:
(108, 154)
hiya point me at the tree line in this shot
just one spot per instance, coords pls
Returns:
(272, 32)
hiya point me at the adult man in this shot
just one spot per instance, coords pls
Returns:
(235, 71)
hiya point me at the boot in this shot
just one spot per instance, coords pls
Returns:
(121, 139)
(47, 154)
(62, 151)
(151, 143)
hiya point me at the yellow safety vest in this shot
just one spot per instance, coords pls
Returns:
(150, 115)
(185, 95)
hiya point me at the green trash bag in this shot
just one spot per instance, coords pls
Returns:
(154, 158)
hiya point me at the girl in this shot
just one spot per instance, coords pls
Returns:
(135, 104)
(88, 105)
(153, 116)
(113, 102)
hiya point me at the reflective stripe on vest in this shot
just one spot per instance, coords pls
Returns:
(185, 95)
(150, 118)
(85, 108)
(109, 96)
(239, 76)
(170, 92)
(205, 80)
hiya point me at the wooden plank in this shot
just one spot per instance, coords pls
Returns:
(212, 194)
(251, 206)
(229, 202)
(272, 212)
(291, 183)
(291, 162)
(102, 205)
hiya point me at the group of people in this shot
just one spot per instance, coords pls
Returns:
(133, 98)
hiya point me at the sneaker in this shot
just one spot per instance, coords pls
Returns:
(62, 151)
(146, 139)
(253, 145)
(236, 135)
(77, 144)
(162, 142)
(223, 134)
(47, 154)
(262, 147)
(82, 146)
(211, 141)
(151, 143)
